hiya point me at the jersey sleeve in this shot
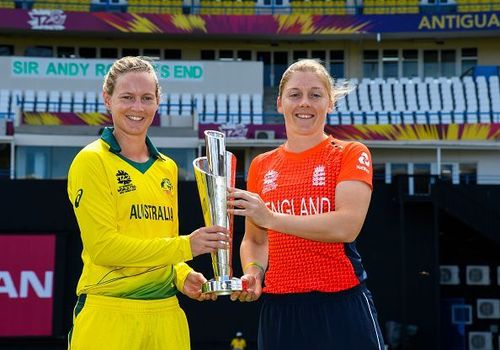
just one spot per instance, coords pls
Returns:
(182, 270)
(356, 164)
(252, 179)
(95, 210)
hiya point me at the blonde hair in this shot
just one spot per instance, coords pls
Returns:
(335, 91)
(126, 65)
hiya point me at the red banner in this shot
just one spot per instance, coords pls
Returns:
(26, 284)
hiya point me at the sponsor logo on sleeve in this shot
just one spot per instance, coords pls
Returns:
(78, 197)
(364, 162)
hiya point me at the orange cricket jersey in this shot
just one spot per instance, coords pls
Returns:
(304, 184)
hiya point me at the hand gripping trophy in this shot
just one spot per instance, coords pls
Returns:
(214, 173)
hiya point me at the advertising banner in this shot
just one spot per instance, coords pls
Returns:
(26, 284)
(277, 24)
(369, 132)
(36, 67)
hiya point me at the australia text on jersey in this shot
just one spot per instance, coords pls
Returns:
(151, 212)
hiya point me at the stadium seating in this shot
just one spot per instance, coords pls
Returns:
(250, 7)
(432, 101)
(323, 7)
(477, 5)
(388, 7)
(7, 4)
(66, 5)
(377, 101)
(155, 6)
(4, 103)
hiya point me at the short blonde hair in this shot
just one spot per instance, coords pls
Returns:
(335, 91)
(126, 65)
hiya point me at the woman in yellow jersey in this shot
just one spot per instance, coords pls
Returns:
(124, 195)
(305, 206)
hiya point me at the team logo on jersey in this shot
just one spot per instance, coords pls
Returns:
(319, 176)
(167, 186)
(364, 162)
(270, 181)
(124, 182)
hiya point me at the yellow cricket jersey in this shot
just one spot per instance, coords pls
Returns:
(238, 344)
(128, 218)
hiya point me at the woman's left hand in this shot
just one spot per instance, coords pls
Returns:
(192, 287)
(250, 205)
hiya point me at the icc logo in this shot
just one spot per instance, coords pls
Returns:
(47, 19)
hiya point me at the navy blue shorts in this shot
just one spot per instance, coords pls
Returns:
(346, 320)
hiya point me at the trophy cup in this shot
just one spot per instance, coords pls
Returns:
(214, 173)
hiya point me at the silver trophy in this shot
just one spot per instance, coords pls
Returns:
(214, 173)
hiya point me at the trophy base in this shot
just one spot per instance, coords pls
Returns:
(223, 287)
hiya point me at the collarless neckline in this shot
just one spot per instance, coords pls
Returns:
(307, 152)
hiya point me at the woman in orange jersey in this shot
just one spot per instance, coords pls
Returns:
(305, 205)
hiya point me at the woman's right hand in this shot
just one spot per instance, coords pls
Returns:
(252, 290)
(208, 240)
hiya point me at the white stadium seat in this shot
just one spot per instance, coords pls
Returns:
(41, 101)
(222, 116)
(4, 103)
(29, 101)
(66, 101)
(54, 101)
(186, 105)
(174, 104)
(257, 109)
(209, 108)
(90, 101)
(245, 109)
(234, 109)
(79, 101)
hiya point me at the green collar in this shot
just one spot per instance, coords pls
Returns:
(108, 137)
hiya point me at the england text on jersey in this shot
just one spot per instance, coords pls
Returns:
(301, 206)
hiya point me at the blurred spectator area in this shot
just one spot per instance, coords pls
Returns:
(250, 7)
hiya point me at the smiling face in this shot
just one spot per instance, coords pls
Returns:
(133, 103)
(304, 102)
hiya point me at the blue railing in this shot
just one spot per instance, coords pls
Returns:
(91, 106)
(414, 117)
(6, 115)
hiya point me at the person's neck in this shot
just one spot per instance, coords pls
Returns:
(301, 143)
(133, 147)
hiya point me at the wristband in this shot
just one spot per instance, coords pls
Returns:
(256, 264)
